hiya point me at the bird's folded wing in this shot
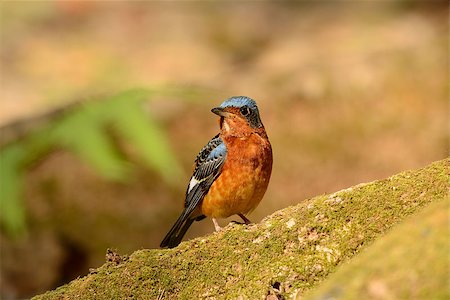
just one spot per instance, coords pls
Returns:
(208, 166)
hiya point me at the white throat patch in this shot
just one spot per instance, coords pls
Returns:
(226, 127)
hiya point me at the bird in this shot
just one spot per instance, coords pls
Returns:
(231, 172)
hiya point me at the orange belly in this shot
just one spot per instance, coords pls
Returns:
(242, 183)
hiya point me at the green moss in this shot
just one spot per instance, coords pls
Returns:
(411, 262)
(288, 253)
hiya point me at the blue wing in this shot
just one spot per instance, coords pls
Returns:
(208, 165)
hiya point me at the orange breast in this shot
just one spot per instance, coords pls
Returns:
(243, 180)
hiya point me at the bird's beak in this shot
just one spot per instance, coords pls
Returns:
(220, 111)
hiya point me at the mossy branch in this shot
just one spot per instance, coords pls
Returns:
(287, 254)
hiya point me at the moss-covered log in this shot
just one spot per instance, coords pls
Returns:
(288, 253)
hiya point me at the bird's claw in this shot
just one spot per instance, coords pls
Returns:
(216, 225)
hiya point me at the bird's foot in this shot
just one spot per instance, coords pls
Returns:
(246, 221)
(237, 222)
(216, 225)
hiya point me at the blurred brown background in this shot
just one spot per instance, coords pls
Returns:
(348, 92)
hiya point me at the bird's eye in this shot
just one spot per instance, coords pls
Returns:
(245, 111)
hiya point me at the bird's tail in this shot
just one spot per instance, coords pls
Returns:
(176, 233)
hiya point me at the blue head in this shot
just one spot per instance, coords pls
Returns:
(242, 106)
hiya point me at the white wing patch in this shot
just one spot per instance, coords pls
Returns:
(192, 183)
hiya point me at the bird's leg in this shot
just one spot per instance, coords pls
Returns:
(216, 225)
(246, 221)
